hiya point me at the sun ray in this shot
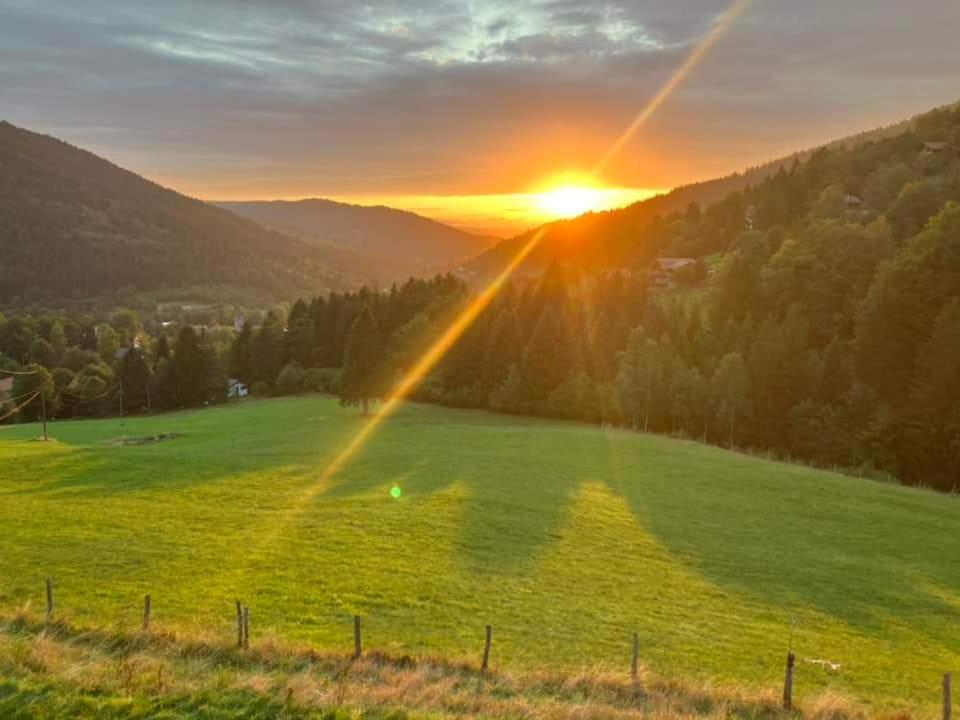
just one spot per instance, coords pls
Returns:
(430, 359)
(456, 329)
(676, 79)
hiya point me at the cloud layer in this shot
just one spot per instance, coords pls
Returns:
(236, 98)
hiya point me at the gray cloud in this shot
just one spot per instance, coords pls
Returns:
(340, 97)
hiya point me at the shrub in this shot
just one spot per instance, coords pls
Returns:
(290, 380)
(324, 380)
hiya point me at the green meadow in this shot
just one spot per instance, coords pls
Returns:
(564, 537)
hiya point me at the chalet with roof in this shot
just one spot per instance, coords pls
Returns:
(934, 148)
(852, 202)
(662, 270)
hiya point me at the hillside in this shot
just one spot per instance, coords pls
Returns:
(826, 306)
(75, 226)
(392, 242)
(611, 238)
(564, 537)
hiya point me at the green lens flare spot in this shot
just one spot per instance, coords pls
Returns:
(395, 492)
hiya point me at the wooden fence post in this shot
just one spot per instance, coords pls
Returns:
(246, 627)
(49, 599)
(788, 683)
(486, 649)
(146, 613)
(239, 625)
(357, 639)
(947, 700)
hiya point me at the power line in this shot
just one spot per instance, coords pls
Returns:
(19, 397)
(72, 394)
(19, 407)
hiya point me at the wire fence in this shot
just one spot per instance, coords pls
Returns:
(241, 622)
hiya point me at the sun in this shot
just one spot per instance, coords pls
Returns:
(570, 194)
(569, 201)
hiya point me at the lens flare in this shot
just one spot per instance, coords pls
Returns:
(679, 75)
(396, 492)
(466, 318)
(429, 361)
(460, 325)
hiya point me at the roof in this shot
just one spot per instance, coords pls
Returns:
(674, 263)
(935, 145)
(6, 384)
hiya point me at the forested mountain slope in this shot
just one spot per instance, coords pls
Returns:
(821, 323)
(610, 239)
(391, 241)
(828, 329)
(73, 225)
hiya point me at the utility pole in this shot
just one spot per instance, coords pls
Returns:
(149, 410)
(121, 399)
(43, 412)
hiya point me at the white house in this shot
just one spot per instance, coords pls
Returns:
(236, 389)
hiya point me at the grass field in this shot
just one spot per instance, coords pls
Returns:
(562, 536)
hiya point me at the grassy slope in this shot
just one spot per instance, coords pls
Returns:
(564, 537)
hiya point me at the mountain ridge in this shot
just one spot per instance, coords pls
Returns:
(398, 241)
(61, 206)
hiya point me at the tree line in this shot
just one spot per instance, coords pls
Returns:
(86, 368)
(828, 327)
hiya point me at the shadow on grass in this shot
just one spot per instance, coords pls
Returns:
(777, 534)
(862, 552)
(510, 509)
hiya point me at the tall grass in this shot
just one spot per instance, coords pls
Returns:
(52, 669)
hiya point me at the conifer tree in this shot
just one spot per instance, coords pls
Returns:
(546, 358)
(361, 380)
(134, 374)
(190, 368)
(299, 336)
(268, 351)
(241, 360)
(503, 348)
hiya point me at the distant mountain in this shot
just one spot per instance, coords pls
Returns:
(75, 226)
(395, 242)
(611, 238)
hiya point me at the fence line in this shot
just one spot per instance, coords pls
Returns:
(243, 643)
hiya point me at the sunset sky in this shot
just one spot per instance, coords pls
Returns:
(436, 105)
